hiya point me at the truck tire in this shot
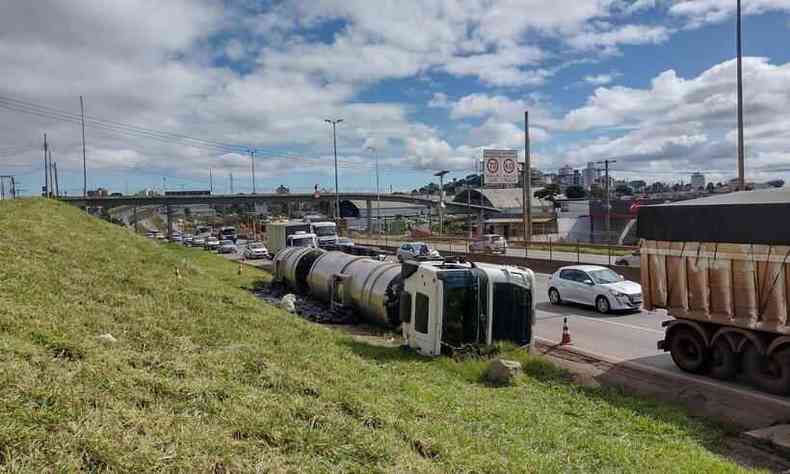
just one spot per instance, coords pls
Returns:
(768, 373)
(688, 350)
(723, 360)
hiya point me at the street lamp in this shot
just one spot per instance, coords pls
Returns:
(378, 195)
(441, 174)
(334, 142)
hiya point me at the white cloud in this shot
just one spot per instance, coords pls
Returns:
(601, 79)
(608, 40)
(680, 122)
(439, 101)
(700, 12)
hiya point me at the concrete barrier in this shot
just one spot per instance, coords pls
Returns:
(537, 265)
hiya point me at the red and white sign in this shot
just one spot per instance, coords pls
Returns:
(501, 166)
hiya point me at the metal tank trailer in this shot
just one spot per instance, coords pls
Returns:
(440, 305)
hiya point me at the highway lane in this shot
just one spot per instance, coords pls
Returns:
(512, 252)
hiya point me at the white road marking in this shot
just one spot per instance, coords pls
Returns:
(630, 326)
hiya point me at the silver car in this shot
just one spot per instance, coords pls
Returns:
(489, 243)
(415, 250)
(212, 243)
(595, 286)
(255, 250)
(226, 246)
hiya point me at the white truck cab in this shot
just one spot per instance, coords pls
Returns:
(302, 239)
(445, 306)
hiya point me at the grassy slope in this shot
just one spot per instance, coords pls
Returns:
(204, 376)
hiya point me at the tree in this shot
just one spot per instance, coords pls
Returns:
(283, 190)
(623, 190)
(575, 192)
(549, 192)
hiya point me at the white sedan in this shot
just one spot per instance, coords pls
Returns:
(595, 286)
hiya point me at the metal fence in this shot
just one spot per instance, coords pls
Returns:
(8, 188)
(548, 247)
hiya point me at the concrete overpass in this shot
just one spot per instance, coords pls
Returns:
(169, 202)
(227, 199)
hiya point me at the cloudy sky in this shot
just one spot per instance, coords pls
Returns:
(175, 88)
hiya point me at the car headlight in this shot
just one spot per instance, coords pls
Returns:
(616, 294)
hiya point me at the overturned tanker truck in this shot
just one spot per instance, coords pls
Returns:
(441, 306)
(720, 266)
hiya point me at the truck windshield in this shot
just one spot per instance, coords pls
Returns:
(512, 313)
(323, 231)
(303, 242)
(461, 323)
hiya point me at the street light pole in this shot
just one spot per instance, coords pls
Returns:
(606, 164)
(441, 174)
(252, 165)
(334, 143)
(378, 194)
(741, 178)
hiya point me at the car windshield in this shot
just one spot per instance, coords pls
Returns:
(423, 249)
(325, 230)
(604, 276)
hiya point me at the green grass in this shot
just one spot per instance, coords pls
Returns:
(206, 378)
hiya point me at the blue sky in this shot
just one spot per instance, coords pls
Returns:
(429, 85)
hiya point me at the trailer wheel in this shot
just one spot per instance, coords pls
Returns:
(723, 360)
(768, 373)
(688, 350)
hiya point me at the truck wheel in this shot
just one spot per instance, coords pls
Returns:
(723, 360)
(602, 304)
(554, 296)
(768, 373)
(688, 350)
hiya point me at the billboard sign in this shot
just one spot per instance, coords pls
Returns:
(500, 166)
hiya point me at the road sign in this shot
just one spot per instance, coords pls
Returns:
(501, 166)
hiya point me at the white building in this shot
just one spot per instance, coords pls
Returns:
(591, 174)
(697, 180)
(566, 175)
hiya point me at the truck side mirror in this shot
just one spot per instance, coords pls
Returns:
(405, 307)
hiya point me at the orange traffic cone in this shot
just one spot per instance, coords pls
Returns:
(566, 335)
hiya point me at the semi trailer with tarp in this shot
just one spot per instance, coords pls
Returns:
(720, 266)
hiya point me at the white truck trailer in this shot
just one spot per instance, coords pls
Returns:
(280, 235)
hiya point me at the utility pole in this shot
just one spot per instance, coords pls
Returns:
(57, 186)
(527, 185)
(164, 185)
(741, 178)
(210, 182)
(608, 202)
(53, 188)
(378, 193)
(231, 183)
(441, 174)
(84, 161)
(45, 190)
(334, 142)
(252, 164)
